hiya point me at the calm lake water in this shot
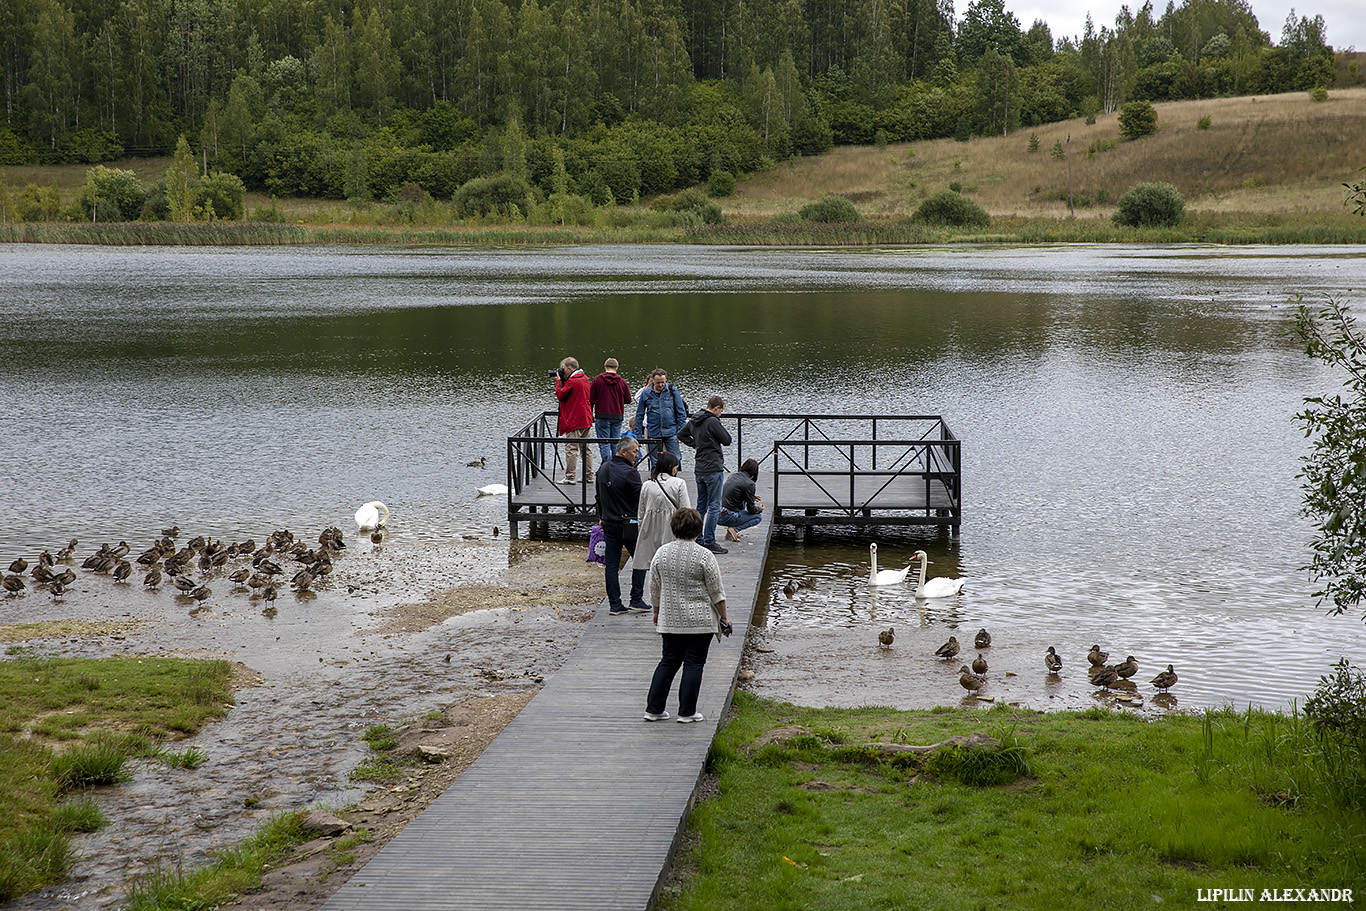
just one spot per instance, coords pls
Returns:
(1129, 447)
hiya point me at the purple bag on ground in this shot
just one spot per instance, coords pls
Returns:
(597, 546)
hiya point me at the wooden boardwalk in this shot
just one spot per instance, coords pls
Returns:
(579, 803)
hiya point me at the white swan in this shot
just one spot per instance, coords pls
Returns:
(493, 490)
(887, 576)
(939, 586)
(368, 516)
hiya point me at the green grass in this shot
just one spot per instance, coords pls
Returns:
(233, 871)
(378, 738)
(1112, 812)
(68, 724)
(191, 758)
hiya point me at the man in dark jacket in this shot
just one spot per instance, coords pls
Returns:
(608, 394)
(618, 492)
(660, 413)
(576, 417)
(740, 504)
(708, 435)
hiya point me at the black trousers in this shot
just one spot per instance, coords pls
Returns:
(617, 535)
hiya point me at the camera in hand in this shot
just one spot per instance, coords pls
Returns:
(726, 628)
(554, 371)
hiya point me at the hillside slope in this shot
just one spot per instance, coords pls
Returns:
(1278, 155)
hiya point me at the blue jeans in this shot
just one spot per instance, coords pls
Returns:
(739, 520)
(660, 444)
(709, 504)
(608, 428)
(686, 650)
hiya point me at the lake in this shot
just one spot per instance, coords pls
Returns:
(1127, 416)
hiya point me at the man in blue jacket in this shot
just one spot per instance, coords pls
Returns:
(659, 415)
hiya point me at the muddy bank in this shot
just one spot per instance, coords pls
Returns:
(369, 647)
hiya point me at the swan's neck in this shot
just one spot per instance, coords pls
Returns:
(921, 583)
(384, 509)
(873, 574)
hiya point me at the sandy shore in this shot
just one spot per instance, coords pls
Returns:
(369, 647)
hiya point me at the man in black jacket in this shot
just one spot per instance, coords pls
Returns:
(707, 434)
(618, 494)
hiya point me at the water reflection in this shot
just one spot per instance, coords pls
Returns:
(1129, 449)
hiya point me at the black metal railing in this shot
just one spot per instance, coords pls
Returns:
(853, 461)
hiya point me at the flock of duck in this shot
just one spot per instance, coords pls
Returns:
(1106, 676)
(167, 564)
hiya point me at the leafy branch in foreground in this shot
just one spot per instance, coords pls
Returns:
(1356, 196)
(1334, 473)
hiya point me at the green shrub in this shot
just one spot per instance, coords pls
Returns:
(831, 210)
(1058, 152)
(721, 183)
(1033, 142)
(1150, 205)
(221, 195)
(114, 194)
(687, 199)
(1203, 123)
(1137, 119)
(1319, 94)
(1339, 703)
(952, 209)
(490, 195)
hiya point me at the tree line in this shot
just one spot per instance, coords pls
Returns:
(628, 98)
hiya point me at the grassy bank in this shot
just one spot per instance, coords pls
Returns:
(1113, 812)
(69, 724)
(795, 234)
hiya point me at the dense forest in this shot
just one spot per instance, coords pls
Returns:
(609, 99)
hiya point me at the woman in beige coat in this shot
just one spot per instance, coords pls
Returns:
(660, 497)
(689, 608)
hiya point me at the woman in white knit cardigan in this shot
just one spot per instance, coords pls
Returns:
(689, 608)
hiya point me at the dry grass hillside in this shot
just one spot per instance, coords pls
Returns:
(1279, 155)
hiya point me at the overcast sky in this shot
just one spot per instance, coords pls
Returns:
(1346, 19)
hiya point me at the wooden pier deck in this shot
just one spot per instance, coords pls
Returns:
(579, 803)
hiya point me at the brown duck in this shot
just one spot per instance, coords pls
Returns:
(970, 681)
(982, 639)
(1127, 668)
(1104, 677)
(948, 649)
(1165, 680)
(1096, 656)
(886, 637)
(1052, 661)
(979, 665)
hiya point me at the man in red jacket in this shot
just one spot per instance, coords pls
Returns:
(609, 395)
(576, 418)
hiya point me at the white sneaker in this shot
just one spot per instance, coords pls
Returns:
(662, 716)
(689, 719)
